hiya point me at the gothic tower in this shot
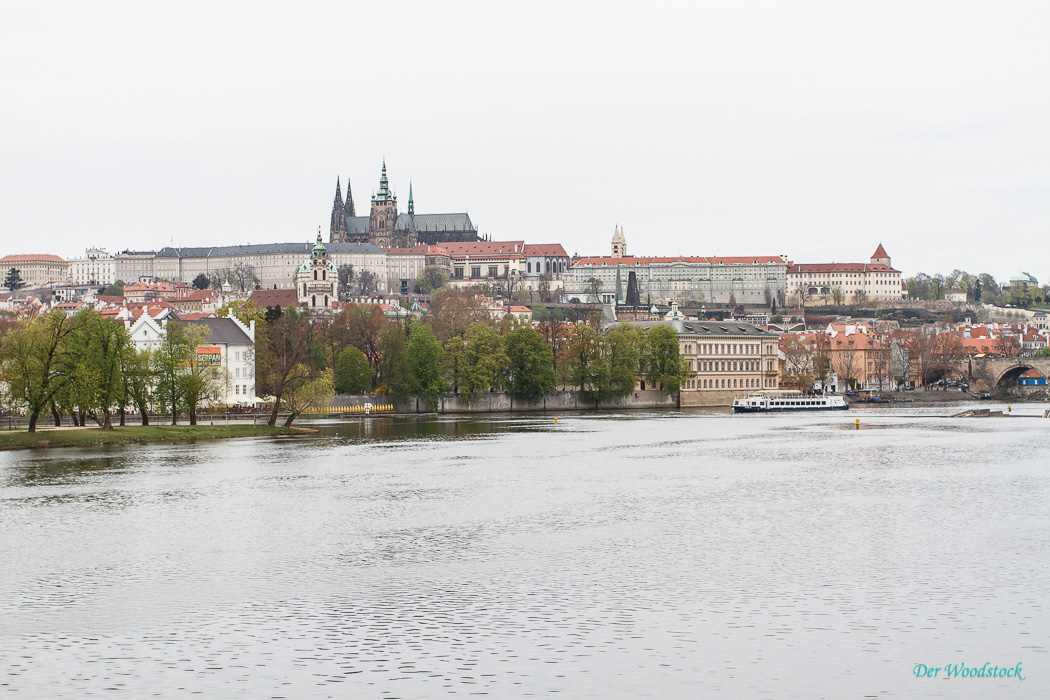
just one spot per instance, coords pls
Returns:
(384, 214)
(349, 208)
(411, 203)
(337, 231)
(619, 245)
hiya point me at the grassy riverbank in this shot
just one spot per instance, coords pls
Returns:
(17, 439)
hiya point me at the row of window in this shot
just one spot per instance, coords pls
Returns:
(722, 349)
(730, 383)
(729, 366)
(558, 267)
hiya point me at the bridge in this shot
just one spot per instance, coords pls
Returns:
(1000, 374)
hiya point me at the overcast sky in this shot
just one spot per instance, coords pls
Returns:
(812, 129)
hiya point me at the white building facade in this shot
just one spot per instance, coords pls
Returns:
(272, 265)
(97, 267)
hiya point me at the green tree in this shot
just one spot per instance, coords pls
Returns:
(31, 361)
(170, 359)
(138, 376)
(114, 290)
(530, 364)
(622, 349)
(353, 374)
(661, 360)
(13, 279)
(244, 310)
(97, 345)
(310, 393)
(202, 377)
(201, 281)
(484, 359)
(588, 369)
(456, 362)
(431, 279)
(425, 359)
(394, 373)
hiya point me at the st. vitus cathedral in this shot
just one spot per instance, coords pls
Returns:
(388, 228)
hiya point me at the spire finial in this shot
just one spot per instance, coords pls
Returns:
(411, 202)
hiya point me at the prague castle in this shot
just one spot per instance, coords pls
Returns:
(386, 227)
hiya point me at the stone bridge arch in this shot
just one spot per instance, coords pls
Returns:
(1000, 374)
(1009, 376)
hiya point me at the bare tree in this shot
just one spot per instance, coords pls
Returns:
(594, 288)
(821, 354)
(346, 278)
(879, 353)
(846, 366)
(220, 277)
(949, 353)
(544, 287)
(921, 346)
(367, 283)
(245, 276)
(798, 361)
(1006, 344)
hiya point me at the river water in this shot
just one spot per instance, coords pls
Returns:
(634, 555)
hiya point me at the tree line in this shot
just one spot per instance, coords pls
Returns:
(980, 289)
(87, 367)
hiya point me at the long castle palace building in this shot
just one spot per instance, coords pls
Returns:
(386, 227)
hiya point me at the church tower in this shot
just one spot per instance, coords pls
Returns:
(619, 245)
(384, 214)
(337, 231)
(316, 280)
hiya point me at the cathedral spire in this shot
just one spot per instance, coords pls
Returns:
(384, 194)
(411, 202)
(337, 231)
(338, 193)
(349, 208)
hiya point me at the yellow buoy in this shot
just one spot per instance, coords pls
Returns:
(857, 423)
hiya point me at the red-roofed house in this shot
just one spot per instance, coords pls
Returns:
(522, 313)
(201, 301)
(281, 298)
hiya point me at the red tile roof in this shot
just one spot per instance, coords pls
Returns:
(549, 250)
(710, 260)
(880, 252)
(274, 297)
(839, 267)
(484, 247)
(419, 249)
(43, 257)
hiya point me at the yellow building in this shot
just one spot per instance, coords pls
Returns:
(35, 269)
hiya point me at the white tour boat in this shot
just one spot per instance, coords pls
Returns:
(761, 402)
